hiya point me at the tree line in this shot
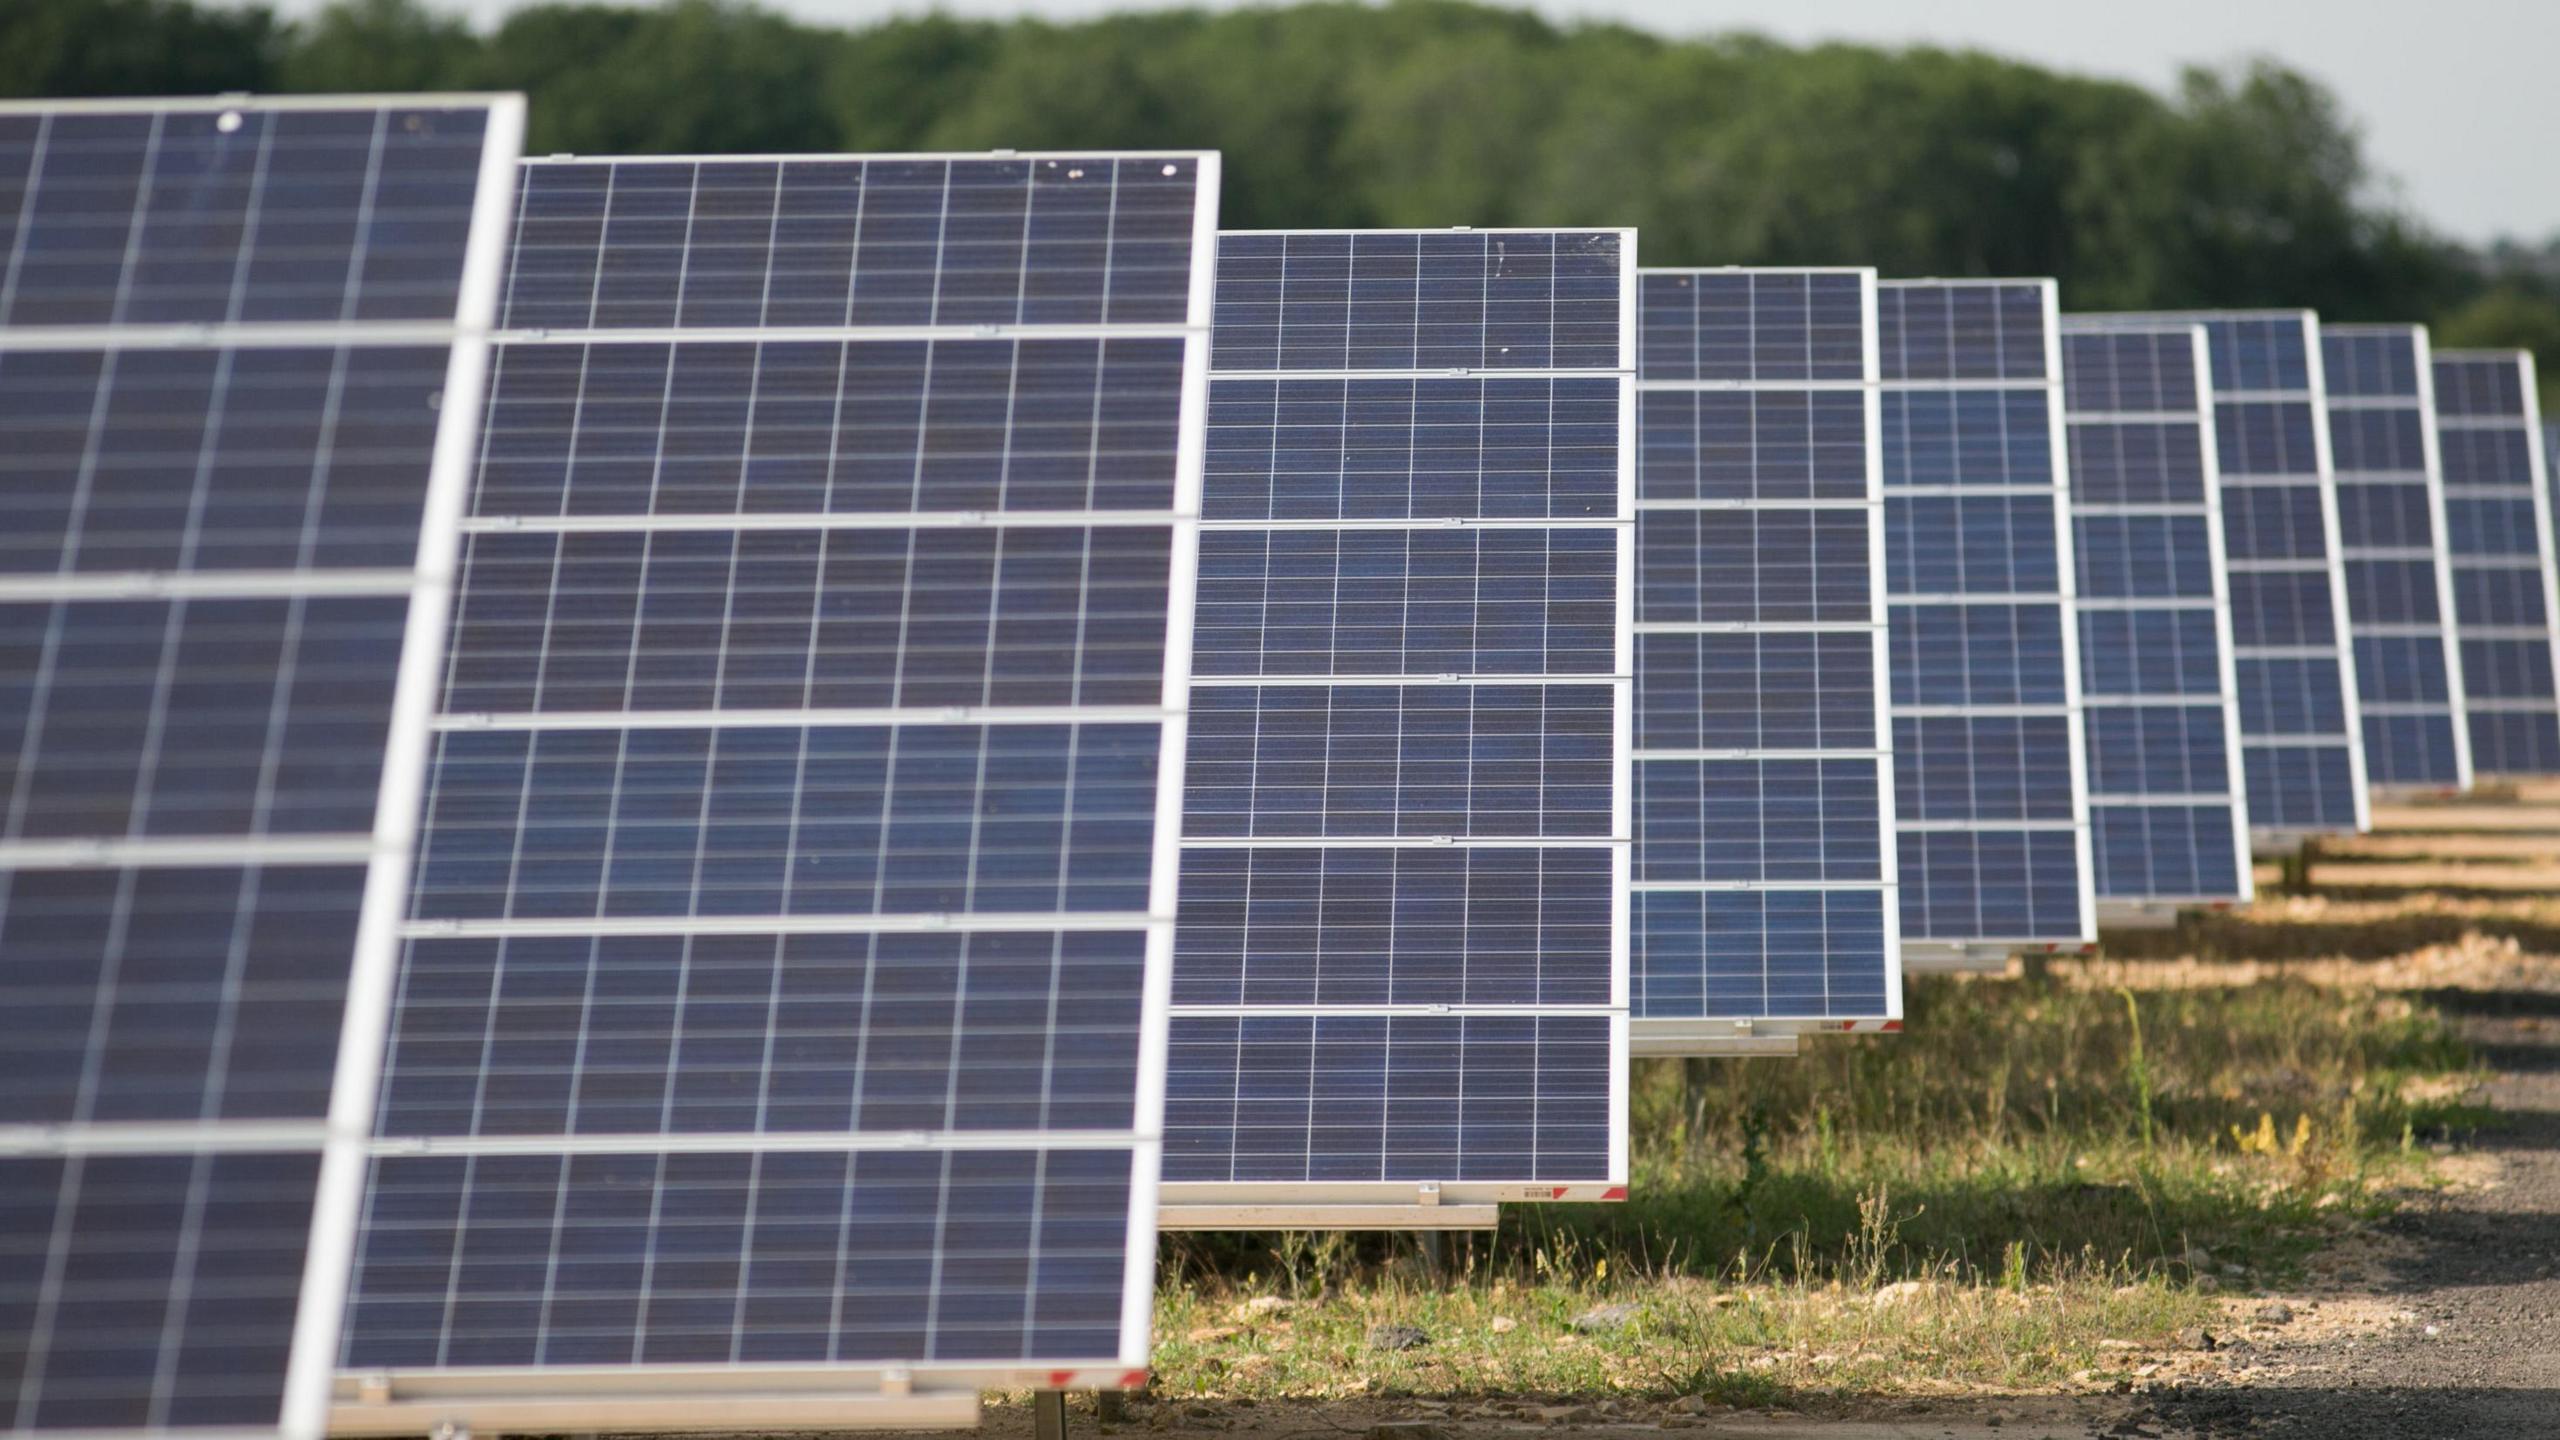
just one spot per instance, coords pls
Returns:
(2245, 186)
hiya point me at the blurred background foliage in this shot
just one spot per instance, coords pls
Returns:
(2245, 187)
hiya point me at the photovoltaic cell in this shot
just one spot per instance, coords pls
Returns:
(781, 982)
(745, 820)
(1396, 602)
(706, 1033)
(1401, 959)
(2498, 526)
(1764, 789)
(854, 243)
(2302, 744)
(1359, 1099)
(2167, 816)
(189, 717)
(2400, 613)
(1992, 802)
(173, 994)
(810, 619)
(183, 1268)
(240, 350)
(746, 1258)
(212, 460)
(135, 214)
(1382, 927)
(1388, 300)
(1347, 447)
(855, 426)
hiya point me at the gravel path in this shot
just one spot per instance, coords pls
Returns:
(2480, 1269)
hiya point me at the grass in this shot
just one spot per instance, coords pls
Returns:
(1741, 1345)
(2035, 1178)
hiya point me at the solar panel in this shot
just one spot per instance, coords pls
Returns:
(2499, 528)
(780, 1006)
(1764, 900)
(1400, 976)
(1991, 801)
(2302, 747)
(2167, 815)
(2551, 452)
(241, 345)
(2391, 533)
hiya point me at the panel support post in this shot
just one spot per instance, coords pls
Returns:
(1697, 1079)
(1049, 1415)
(1110, 1406)
(2297, 867)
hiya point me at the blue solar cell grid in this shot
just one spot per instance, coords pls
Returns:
(1402, 956)
(236, 337)
(2168, 819)
(782, 975)
(1991, 790)
(1765, 872)
(2302, 745)
(2498, 513)
(2392, 544)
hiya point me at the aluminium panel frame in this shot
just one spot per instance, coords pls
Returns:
(2349, 693)
(2546, 522)
(388, 849)
(2267, 839)
(1701, 1037)
(1982, 954)
(2423, 347)
(1417, 1205)
(410, 1400)
(2160, 912)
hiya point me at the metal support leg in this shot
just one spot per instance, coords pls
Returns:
(1110, 1407)
(1049, 1415)
(2296, 868)
(1435, 1256)
(1697, 1082)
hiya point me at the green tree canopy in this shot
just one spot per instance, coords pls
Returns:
(2243, 187)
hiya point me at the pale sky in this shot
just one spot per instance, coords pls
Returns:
(2456, 98)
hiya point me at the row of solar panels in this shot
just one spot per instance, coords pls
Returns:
(663, 792)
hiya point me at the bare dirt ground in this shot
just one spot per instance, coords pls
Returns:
(2444, 1322)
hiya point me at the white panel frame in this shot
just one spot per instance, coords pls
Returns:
(397, 814)
(2422, 350)
(2546, 525)
(386, 850)
(2350, 693)
(2159, 911)
(694, 1397)
(1419, 1205)
(1701, 1036)
(2270, 839)
(2536, 443)
(827, 1396)
(1977, 954)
